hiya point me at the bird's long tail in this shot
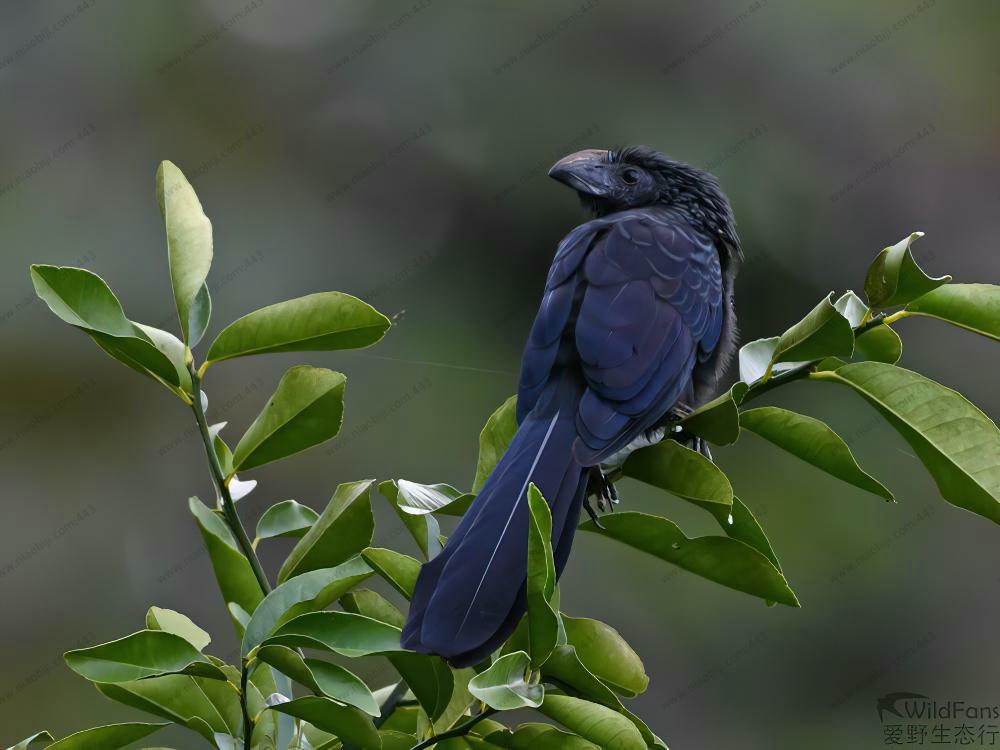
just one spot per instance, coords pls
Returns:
(469, 598)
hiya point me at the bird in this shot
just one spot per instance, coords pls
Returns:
(635, 328)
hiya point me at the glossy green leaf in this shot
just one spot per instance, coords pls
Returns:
(680, 471)
(812, 441)
(306, 409)
(147, 653)
(459, 702)
(304, 593)
(84, 300)
(546, 737)
(894, 277)
(721, 559)
(423, 527)
(975, 307)
(740, 523)
(392, 740)
(287, 518)
(599, 724)
(398, 569)
(371, 604)
(543, 617)
(322, 677)
(232, 570)
(607, 655)
(37, 737)
(178, 624)
(879, 344)
(494, 439)
(182, 699)
(222, 451)
(418, 499)
(347, 722)
(343, 633)
(343, 530)
(565, 668)
(109, 737)
(505, 687)
(316, 322)
(823, 332)
(959, 445)
(189, 241)
(718, 421)
(429, 677)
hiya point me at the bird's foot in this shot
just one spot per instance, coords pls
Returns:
(604, 489)
(593, 514)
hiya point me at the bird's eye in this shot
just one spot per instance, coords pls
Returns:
(630, 176)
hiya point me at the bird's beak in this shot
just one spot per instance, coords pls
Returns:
(585, 171)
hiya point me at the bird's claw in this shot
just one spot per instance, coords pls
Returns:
(593, 515)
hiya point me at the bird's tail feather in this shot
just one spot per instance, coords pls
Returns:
(469, 599)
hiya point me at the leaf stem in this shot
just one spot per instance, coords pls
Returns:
(218, 476)
(247, 721)
(460, 731)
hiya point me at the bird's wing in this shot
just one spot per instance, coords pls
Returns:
(646, 290)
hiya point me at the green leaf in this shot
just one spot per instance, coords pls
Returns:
(741, 524)
(607, 655)
(343, 530)
(721, 559)
(347, 722)
(182, 699)
(232, 570)
(718, 421)
(504, 686)
(543, 619)
(109, 737)
(494, 439)
(418, 499)
(314, 323)
(342, 633)
(37, 737)
(975, 307)
(429, 677)
(546, 737)
(287, 518)
(306, 409)
(680, 471)
(222, 451)
(392, 740)
(824, 332)
(304, 593)
(84, 300)
(879, 344)
(755, 357)
(894, 278)
(178, 624)
(147, 653)
(812, 441)
(959, 445)
(322, 677)
(601, 725)
(423, 527)
(371, 604)
(201, 314)
(189, 242)
(398, 569)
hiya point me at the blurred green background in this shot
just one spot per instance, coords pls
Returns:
(398, 151)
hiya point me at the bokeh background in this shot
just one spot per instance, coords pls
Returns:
(398, 151)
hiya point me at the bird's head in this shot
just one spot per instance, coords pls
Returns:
(638, 177)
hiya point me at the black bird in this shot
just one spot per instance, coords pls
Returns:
(635, 326)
